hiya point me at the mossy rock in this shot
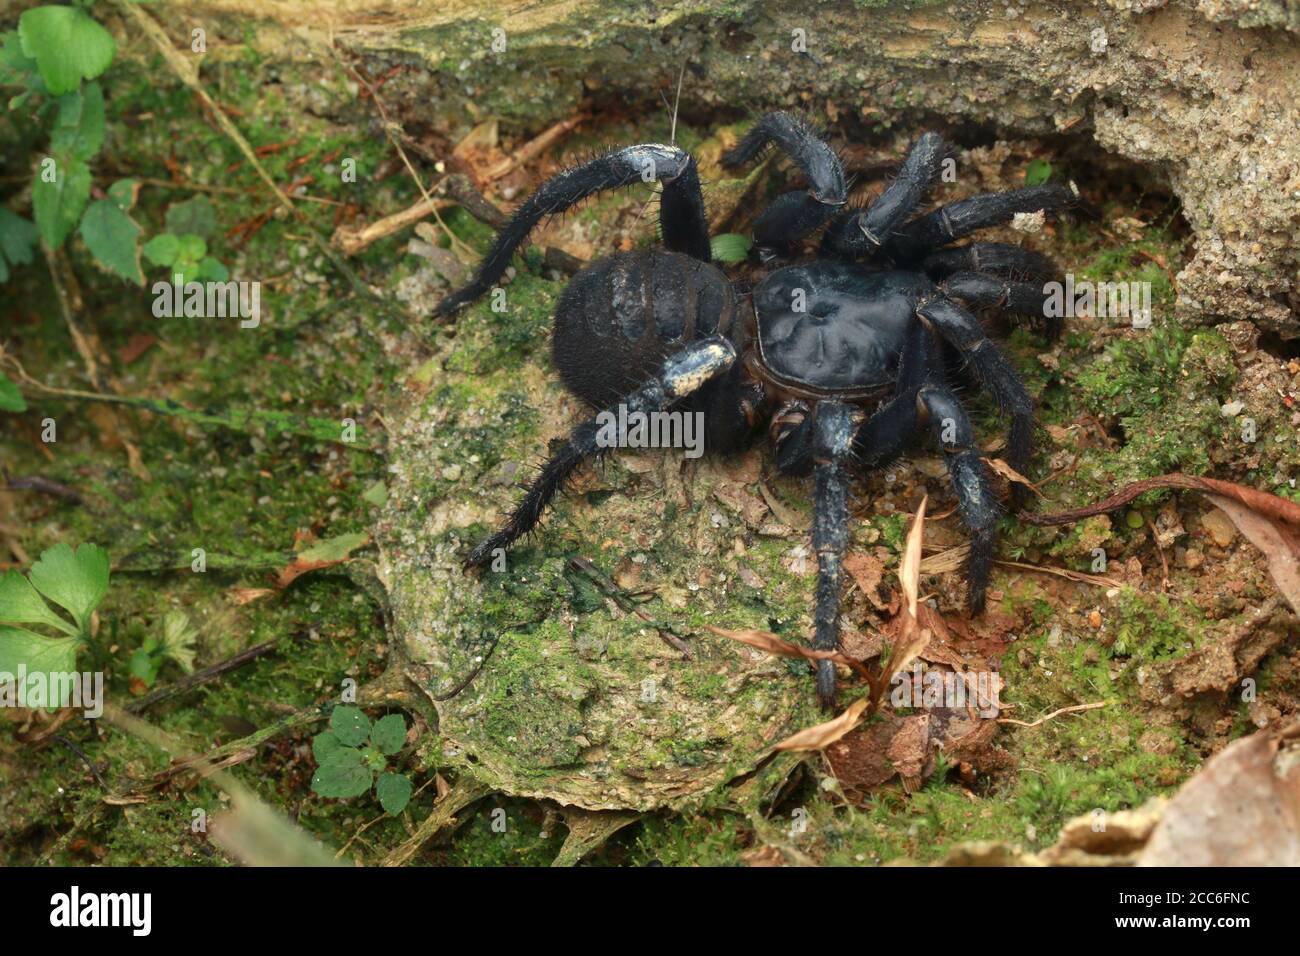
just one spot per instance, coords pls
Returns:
(579, 701)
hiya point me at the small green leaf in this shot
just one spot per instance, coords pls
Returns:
(195, 216)
(192, 248)
(394, 792)
(58, 204)
(79, 127)
(731, 247)
(20, 603)
(178, 637)
(162, 249)
(376, 494)
(16, 67)
(389, 733)
(324, 746)
(21, 648)
(17, 240)
(11, 400)
(67, 45)
(332, 550)
(344, 775)
(124, 193)
(76, 581)
(111, 236)
(1038, 172)
(143, 665)
(350, 725)
(211, 270)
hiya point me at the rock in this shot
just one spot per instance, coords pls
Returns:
(1220, 527)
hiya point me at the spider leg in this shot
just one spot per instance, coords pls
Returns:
(681, 208)
(976, 502)
(682, 374)
(862, 232)
(963, 331)
(834, 424)
(961, 218)
(794, 214)
(993, 258)
(922, 399)
(979, 291)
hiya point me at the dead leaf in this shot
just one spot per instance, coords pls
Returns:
(1242, 808)
(821, 736)
(767, 641)
(326, 554)
(1010, 474)
(242, 596)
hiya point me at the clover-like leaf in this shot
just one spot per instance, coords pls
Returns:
(389, 733)
(67, 45)
(394, 792)
(76, 581)
(162, 249)
(20, 603)
(350, 725)
(344, 775)
(36, 654)
(325, 745)
(177, 642)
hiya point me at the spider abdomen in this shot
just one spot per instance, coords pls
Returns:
(619, 317)
(832, 328)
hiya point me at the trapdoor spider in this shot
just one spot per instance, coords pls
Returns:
(845, 358)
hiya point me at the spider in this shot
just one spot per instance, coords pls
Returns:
(844, 359)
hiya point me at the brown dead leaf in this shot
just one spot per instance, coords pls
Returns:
(1010, 474)
(242, 596)
(867, 572)
(1242, 808)
(322, 555)
(821, 736)
(767, 641)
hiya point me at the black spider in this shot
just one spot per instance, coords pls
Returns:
(844, 362)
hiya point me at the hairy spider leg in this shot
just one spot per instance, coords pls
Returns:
(979, 291)
(999, 259)
(862, 232)
(922, 397)
(834, 426)
(682, 374)
(956, 220)
(681, 208)
(794, 214)
(991, 367)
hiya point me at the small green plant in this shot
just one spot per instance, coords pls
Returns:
(183, 248)
(730, 247)
(53, 58)
(1038, 172)
(353, 756)
(175, 642)
(75, 581)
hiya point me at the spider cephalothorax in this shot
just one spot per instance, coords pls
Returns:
(839, 360)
